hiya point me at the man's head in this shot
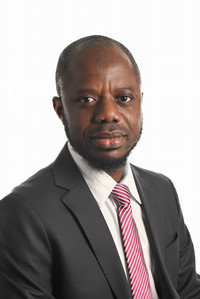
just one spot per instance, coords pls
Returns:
(99, 101)
(83, 44)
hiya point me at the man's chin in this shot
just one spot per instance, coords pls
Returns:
(108, 161)
(107, 165)
(105, 162)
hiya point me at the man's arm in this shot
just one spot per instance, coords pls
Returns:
(188, 279)
(188, 283)
(25, 253)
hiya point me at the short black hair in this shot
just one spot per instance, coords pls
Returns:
(82, 44)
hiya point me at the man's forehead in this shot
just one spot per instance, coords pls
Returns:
(100, 67)
(99, 56)
(98, 51)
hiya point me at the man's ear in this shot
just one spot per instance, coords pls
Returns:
(58, 107)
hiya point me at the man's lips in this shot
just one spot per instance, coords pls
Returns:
(108, 135)
(108, 140)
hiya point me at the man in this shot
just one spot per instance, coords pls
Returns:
(64, 232)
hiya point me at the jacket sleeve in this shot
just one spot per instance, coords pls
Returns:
(25, 253)
(188, 283)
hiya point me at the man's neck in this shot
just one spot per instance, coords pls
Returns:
(116, 175)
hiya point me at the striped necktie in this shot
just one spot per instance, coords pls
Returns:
(138, 275)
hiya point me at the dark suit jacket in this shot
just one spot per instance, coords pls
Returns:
(54, 241)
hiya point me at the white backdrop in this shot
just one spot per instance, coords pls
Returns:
(164, 37)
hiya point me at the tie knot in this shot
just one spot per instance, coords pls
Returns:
(121, 194)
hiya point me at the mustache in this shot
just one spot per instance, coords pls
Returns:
(108, 128)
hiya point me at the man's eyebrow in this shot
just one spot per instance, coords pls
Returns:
(91, 91)
(86, 90)
(125, 88)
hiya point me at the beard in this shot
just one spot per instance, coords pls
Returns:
(100, 164)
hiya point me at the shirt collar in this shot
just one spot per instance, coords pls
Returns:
(100, 183)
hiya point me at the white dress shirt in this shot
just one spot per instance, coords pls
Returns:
(101, 184)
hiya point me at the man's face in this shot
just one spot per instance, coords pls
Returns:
(101, 102)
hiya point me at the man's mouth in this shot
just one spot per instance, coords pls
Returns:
(108, 140)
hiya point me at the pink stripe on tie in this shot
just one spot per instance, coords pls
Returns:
(138, 275)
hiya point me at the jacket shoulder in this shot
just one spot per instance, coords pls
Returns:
(37, 181)
(38, 188)
(149, 175)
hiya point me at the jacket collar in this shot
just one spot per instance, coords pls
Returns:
(78, 198)
(152, 209)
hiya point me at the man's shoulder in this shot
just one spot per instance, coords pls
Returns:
(34, 185)
(41, 183)
(149, 175)
(26, 196)
(156, 183)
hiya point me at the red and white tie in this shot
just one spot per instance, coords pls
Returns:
(138, 274)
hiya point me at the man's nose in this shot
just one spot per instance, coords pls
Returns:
(106, 111)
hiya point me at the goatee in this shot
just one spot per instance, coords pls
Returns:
(109, 165)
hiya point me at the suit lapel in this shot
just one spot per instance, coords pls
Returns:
(81, 202)
(152, 210)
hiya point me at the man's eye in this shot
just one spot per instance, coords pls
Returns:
(125, 99)
(86, 100)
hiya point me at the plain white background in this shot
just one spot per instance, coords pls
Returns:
(164, 37)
